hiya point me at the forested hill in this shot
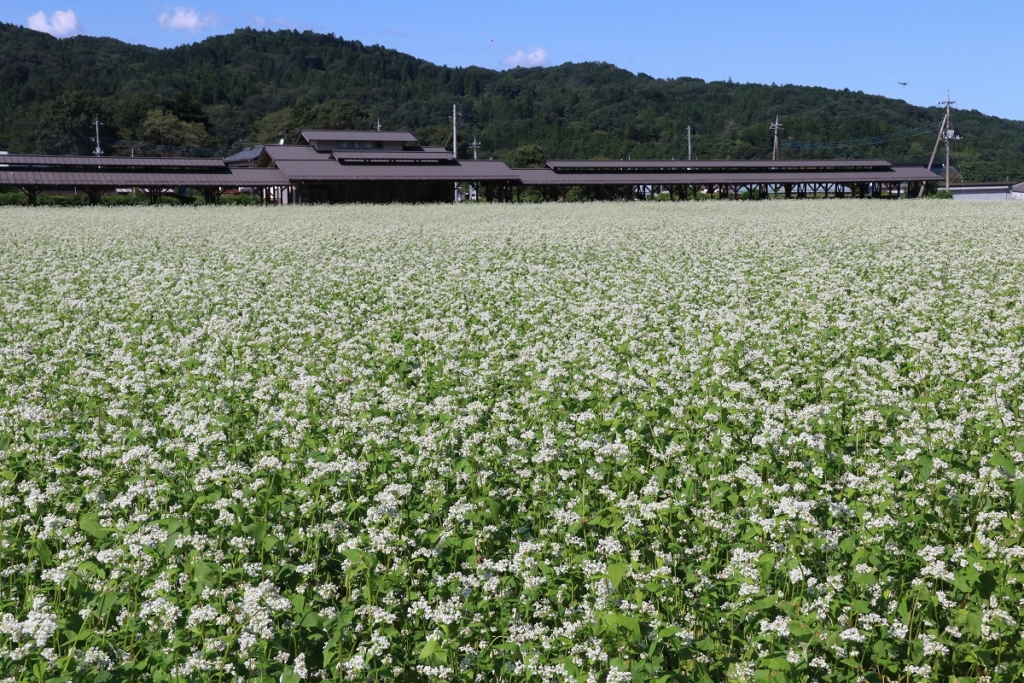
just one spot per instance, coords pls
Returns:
(248, 87)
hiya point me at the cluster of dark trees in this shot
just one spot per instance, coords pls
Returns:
(249, 87)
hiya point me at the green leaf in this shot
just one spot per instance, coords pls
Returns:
(257, 531)
(203, 573)
(431, 649)
(43, 551)
(775, 664)
(629, 623)
(1019, 492)
(90, 524)
(1000, 460)
(925, 463)
(616, 572)
(89, 567)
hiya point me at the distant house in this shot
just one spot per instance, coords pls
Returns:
(982, 192)
(1018, 191)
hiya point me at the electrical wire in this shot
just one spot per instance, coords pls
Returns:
(799, 144)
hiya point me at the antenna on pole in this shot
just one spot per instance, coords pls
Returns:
(475, 146)
(99, 150)
(689, 145)
(775, 128)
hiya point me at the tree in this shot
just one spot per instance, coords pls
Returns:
(527, 156)
(329, 115)
(187, 108)
(67, 125)
(164, 129)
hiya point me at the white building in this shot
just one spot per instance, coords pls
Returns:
(982, 192)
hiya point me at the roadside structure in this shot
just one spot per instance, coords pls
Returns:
(335, 166)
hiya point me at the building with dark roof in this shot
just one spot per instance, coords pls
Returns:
(155, 177)
(726, 178)
(379, 167)
(382, 167)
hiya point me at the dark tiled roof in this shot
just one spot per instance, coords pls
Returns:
(544, 176)
(294, 152)
(312, 171)
(358, 136)
(245, 155)
(239, 177)
(683, 165)
(978, 186)
(356, 155)
(108, 162)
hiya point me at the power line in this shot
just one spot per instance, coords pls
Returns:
(865, 142)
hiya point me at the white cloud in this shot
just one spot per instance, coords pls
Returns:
(185, 19)
(538, 57)
(60, 24)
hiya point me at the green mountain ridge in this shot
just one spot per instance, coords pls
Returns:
(249, 87)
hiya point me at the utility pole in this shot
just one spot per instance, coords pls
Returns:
(475, 146)
(689, 145)
(950, 134)
(944, 134)
(775, 128)
(98, 151)
(455, 132)
(455, 142)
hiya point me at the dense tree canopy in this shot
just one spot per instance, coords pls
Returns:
(254, 86)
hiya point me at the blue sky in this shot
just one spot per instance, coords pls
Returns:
(972, 49)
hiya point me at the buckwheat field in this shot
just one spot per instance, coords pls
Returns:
(752, 441)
